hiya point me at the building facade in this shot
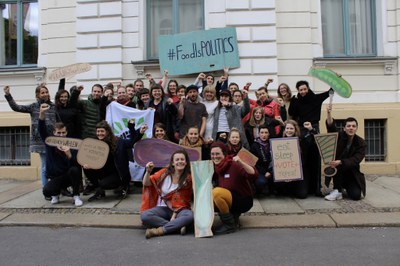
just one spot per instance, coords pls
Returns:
(277, 39)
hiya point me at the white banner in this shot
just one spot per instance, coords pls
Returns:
(118, 116)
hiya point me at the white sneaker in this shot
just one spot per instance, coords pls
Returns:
(334, 195)
(77, 201)
(54, 199)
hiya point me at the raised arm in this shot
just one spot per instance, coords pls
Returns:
(13, 105)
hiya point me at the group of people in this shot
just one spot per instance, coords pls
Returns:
(219, 119)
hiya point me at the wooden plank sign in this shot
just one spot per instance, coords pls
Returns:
(247, 157)
(93, 152)
(72, 143)
(69, 71)
(286, 158)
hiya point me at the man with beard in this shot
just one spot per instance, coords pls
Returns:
(192, 112)
(305, 109)
(90, 110)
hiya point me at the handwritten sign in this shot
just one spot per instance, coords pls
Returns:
(198, 51)
(93, 152)
(69, 71)
(286, 159)
(72, 143)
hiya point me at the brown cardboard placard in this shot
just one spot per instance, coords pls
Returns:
(72, 143)
(247, 157)
(93, 152)
(286, 158)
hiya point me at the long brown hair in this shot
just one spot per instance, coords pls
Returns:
(171, 169)
(252, 121)
(111, 139)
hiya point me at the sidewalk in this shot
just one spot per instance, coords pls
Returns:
(22, 203)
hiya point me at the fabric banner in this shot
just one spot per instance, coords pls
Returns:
(118, 116)
(202, 172)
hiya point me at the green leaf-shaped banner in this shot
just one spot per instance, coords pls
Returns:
(340, 85)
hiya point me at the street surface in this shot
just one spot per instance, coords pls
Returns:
(103, 246)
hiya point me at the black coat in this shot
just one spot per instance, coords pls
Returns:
(351, 157)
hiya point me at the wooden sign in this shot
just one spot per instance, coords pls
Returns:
(69, 71)
(327, 144)
(286, 158)
(247, 157)
(199, 51)
(72, 143)
(93, 152)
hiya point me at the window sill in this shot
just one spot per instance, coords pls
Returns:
(143, 66)
(389, 64)
(37, 72)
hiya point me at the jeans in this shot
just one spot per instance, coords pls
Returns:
(161, 216)
(43, 168)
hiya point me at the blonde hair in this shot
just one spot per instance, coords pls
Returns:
(210, 88)
(296, 128)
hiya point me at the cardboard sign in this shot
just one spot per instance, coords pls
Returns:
(286, 158)
(247, 157)
(69, 71)
(72, 143)
(198, 51)
(93, 152)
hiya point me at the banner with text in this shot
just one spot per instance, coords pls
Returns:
(198, 51)
(286, 158)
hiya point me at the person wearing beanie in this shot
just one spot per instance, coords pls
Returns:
(191, 112)
(232, 192)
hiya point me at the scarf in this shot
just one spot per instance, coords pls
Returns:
(264, 145)
(234, 149)
(223, 166)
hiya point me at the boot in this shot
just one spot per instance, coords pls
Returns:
(152, 232)
(228, 224)
(237, 221)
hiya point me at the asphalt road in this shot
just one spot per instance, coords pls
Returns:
(102, 246)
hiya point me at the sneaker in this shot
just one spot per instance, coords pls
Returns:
(54, 199)
(77, 201)
(66, 193)
(334, 195)
(183, 230)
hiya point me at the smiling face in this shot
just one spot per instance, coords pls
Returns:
(101, 133)
(96, 93)
(159, 133)
(179, 161)
(145, 98)
(303, 90)
(209, 95)
(44, 94)
(121, 91)
(217, 156)
(64, 98)
(234, 138)
(193, 94)
(290, 130)
(130, 91)
(156, 93)
(193, 135)
(210, 80)
(181, 92)
(172, 86)
(283, 90)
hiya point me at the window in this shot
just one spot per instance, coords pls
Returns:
(348, 28)
(14, 146)
(18, 33)
(171, 17)
(375, 138)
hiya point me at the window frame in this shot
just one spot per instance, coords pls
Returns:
(19, 136)
(346, 32)
(381, 138)
(20, 37)
(175, 24)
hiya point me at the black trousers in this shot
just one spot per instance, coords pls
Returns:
(345, 179)
(73, 177)
(110, 181)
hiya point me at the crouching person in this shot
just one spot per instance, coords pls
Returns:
(232, 193)
(61, 166)
(166, 197)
